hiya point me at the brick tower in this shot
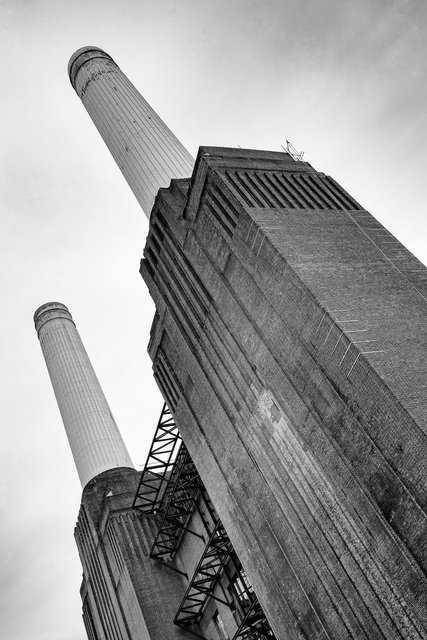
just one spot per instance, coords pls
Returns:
(289, 343)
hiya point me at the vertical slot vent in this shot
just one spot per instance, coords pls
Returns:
(349, 202)
(287, 190)
(309, 193)
(222, 210)
(270, 188)
(299, 193)
(321, 192)
(259, 194)
(237, 189)
(303, 190)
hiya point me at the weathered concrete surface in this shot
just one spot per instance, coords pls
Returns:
(289, 342)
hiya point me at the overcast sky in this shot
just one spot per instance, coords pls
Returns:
(344, 80)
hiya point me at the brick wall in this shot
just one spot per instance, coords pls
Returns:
(287, 341)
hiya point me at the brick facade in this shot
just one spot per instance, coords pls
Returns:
(288, 343)
(126, 595)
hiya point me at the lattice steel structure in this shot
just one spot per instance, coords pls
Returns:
(206, 578)
(219, 561)
(254, 625)
(178, 504)
(160, 462)
(169, 493)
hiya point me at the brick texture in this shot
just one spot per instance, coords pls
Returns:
(288, 341)
(126, 595)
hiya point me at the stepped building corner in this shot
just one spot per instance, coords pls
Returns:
(284, 495)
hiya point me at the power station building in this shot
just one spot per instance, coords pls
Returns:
(284, 495)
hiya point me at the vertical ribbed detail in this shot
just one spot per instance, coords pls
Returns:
(146, 151)
(288, 190)
(94, 438)
(221, 210)
(91, 558)
(88, 621)
(117, 554)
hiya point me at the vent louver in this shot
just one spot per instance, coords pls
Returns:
(274, 189)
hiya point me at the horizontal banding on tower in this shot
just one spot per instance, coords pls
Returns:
(83, 56)
(51, 311)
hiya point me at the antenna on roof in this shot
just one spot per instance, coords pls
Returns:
(290, 149)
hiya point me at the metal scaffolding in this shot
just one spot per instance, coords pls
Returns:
(254, 625)
(170, 490)
(159, 465)
(177, 506)
(219, 561)
(206, 577)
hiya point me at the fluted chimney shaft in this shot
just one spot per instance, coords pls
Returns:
(93, 435)
(146, 150)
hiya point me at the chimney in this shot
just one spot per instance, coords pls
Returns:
(93, 435)
(145, 149)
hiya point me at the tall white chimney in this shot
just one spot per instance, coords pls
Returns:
(93, 435)
(146, 150)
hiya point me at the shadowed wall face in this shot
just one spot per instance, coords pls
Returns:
(93, 435)
(287, 344)
(146, 151)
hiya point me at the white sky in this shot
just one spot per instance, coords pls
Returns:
(344, 80)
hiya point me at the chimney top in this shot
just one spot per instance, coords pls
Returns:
(50, 311)
(80, 57)
(94, 438)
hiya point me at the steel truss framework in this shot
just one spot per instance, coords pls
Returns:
(217, 560)
(206, 576)
(169, 491)
(254, 625)
(177, 506)
(159, 465)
